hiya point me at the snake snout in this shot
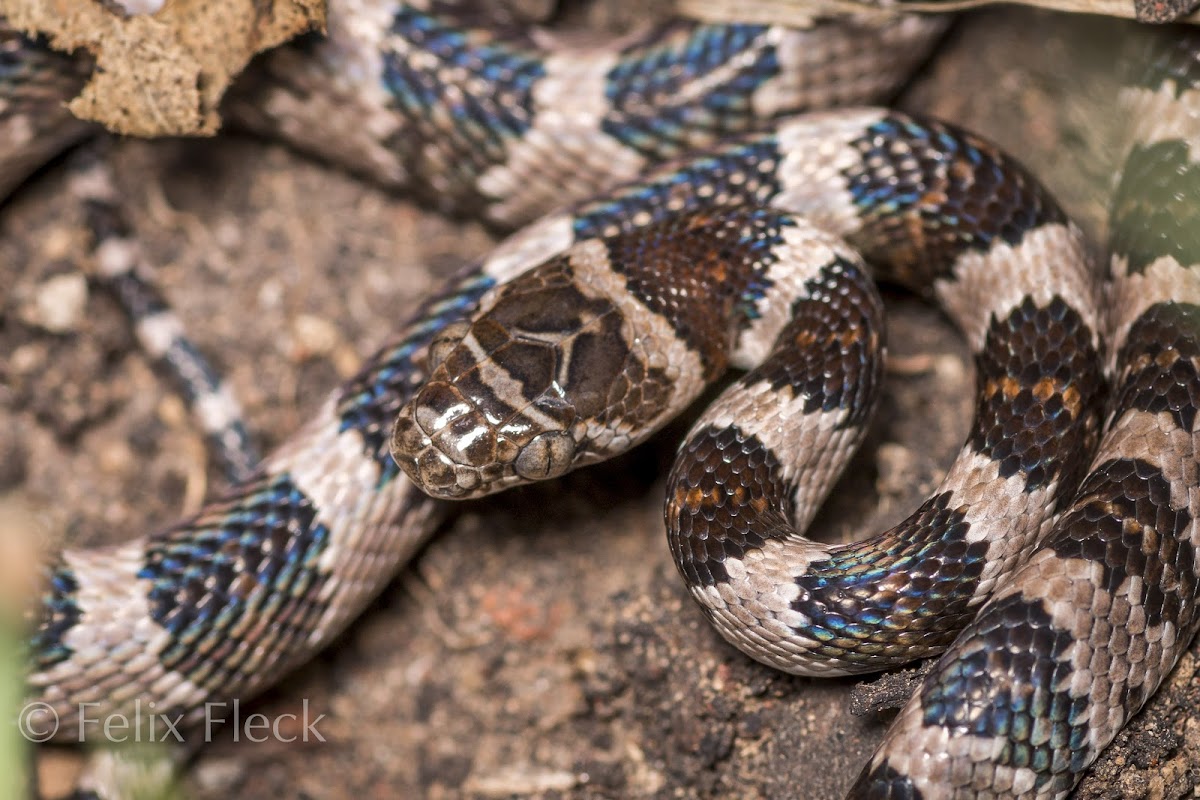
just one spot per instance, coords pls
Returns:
(451, 449)
(447, 446)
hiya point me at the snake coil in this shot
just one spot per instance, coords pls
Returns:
(587, 330)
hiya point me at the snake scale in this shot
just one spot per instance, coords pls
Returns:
(587, 330)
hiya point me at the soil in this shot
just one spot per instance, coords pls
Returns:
(541, 646)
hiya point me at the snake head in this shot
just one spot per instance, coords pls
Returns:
(514, 395)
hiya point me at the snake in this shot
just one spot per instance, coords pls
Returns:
(589, 329)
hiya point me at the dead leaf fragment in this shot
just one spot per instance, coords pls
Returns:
(163, 74)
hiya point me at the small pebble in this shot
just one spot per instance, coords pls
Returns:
(60, 301)
(895, 464)
(313, 336)
(28, 358)
(219, 775)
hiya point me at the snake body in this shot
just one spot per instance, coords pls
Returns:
(505, 124)
(219, 605)
(1079, 638)
(510, 401)
(223, 603)
(512, 396)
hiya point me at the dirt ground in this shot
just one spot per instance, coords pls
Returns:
(542, 646)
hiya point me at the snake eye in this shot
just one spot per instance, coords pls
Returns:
(445, 342)
(547, 455)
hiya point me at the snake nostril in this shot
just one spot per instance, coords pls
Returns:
(435, 473)
(407, 439)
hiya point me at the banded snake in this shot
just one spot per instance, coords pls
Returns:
(898, 126)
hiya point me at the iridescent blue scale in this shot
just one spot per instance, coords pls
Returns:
(661, 129)
(269, 532)
(703, 182)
